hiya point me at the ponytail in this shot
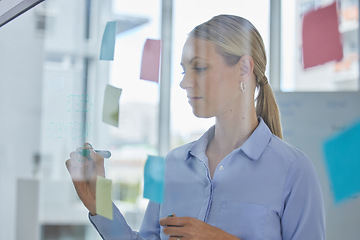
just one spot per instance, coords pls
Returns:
(266, 107)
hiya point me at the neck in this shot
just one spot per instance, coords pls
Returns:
(233, 130)
(230, 133)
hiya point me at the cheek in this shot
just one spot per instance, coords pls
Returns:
(218, 84)
(212, 81)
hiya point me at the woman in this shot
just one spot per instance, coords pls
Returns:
(239, 180)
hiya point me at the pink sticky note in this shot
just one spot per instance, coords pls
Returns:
(150, 63)
(321, 37)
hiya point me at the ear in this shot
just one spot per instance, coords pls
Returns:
(246, 65)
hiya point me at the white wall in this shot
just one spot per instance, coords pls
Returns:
(21, 59)
(308, 120)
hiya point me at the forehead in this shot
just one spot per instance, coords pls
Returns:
(196, 47)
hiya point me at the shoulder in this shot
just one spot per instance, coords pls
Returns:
(296, 167)
(287, 153)
(300, 170)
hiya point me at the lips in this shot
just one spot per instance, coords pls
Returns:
(192, 98)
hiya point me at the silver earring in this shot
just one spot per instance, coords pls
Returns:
(242, 86)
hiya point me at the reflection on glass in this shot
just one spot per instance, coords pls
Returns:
(61, 107)
(72, 101)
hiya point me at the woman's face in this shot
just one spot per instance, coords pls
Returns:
(212, 86)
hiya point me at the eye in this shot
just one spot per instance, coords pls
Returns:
(200, 69)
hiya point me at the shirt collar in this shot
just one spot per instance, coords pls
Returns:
(256, 144)
(253, 147)
(198, 149)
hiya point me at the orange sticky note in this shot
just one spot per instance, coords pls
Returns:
(321, 40)
(150, 63)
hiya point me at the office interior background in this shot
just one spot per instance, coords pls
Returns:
(52, 87)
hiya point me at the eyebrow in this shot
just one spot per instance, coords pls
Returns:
(191, 60)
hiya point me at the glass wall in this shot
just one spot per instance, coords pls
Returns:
(51, 71)
(73, 93)
(52, 92)
(52, 85)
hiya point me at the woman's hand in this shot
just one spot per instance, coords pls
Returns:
(188, 228)
(84, 166)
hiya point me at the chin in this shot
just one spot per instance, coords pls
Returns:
(202, 114)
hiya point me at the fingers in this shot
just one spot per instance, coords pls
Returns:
(82, 167)
(177, 232)
(77, 166)
(85, 164)
(176, 238)
(88, 145)
(98, 163)
(172, 220)
(89, 152)
(173, 226)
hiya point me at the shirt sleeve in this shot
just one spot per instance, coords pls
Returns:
(303, 210)
(150, 227)
(118, 229)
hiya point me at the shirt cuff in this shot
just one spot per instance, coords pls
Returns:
(117, 228)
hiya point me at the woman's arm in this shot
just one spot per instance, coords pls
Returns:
(303, 214)
(84, 172)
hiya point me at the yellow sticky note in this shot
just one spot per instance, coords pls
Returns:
(104, 205)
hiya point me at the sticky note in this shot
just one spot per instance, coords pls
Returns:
(150, 62)
(108, 41)
(342, 161)
(104, 206)
(111, 105)
(154, 173)
(321, 40)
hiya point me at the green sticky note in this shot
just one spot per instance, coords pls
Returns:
(111, 105)
(104, 206)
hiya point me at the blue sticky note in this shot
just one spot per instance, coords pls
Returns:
(154, 173)
(342, 160)
(108, 41)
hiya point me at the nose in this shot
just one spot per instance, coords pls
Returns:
(186, 82)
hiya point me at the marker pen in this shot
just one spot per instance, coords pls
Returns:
(86, 152)
(104, 153)
(172, 215)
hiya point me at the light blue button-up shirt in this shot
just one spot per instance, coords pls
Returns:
(264, 190)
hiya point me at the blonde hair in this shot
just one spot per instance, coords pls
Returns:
(234, 37)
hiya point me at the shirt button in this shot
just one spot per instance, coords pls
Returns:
(221, 168)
